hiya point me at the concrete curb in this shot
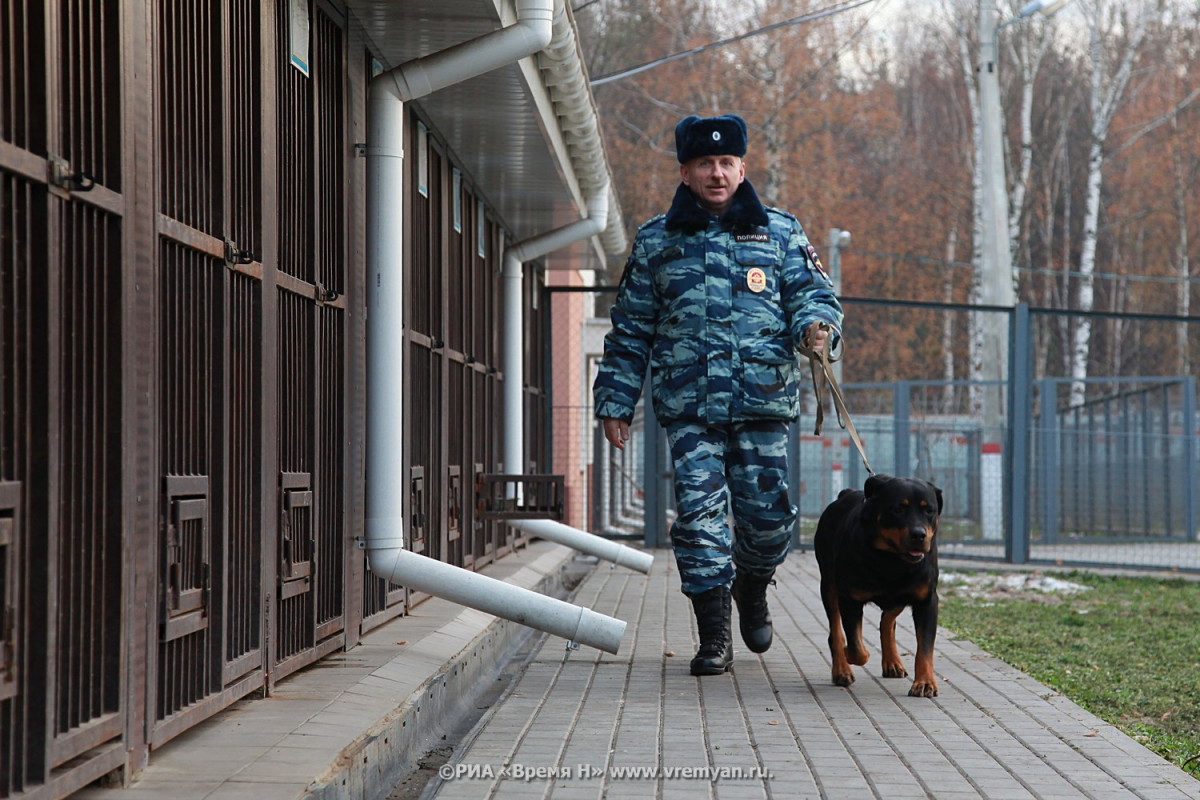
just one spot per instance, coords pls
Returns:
(371, 765)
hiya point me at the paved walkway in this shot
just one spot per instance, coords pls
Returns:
(356, 722)
(586, 724)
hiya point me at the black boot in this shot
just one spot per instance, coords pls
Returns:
(754, 620)
(713, 611)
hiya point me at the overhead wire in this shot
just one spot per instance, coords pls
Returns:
(815, 15)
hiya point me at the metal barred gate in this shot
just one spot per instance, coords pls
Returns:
(175, 514)
(182, 369)
(454, 361)
(311, 297)
(63, 203)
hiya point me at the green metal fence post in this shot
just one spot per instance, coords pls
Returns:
(1016, 460)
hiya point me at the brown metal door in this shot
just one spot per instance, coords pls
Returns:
(62, 208)
(23, 428)
(310, 609)
(426, 368)
(208, 648)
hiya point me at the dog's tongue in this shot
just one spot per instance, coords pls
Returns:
(917, 554)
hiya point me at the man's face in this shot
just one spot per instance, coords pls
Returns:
(714, 179)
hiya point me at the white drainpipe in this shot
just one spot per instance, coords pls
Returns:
(386, 470)
(514, 317)
(514, 380)
(585, 542)
(532, 31)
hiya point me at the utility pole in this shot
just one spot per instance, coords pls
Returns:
(996, 273)
(996, 280)
(838, 239)
(996, 285)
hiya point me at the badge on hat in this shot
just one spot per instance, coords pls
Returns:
(715, 136)
(756, 280)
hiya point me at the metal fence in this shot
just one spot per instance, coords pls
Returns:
(1110, 481)
(182, 363)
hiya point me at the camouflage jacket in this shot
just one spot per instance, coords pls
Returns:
(716, 307)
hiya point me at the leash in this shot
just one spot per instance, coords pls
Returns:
(822, 376)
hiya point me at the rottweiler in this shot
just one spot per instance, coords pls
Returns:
(880, 546)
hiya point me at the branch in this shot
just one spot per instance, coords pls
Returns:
(1158, 122)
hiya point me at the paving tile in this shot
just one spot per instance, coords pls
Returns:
(637, 725)
(778, 713)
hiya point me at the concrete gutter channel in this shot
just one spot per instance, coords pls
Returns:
(357, 723)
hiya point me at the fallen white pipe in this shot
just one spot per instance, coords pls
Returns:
(588, 543)
(574, 623)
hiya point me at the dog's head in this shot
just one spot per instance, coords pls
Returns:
(904, 514)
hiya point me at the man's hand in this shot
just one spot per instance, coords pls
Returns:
(617, 432)
(815, 336)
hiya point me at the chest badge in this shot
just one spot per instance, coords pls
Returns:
(756, 280)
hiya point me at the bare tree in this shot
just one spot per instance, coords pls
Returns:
(1026, 48)
(1115, 32)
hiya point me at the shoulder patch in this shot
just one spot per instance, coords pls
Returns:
(816, 261)
(651, 221)
(782, 213)
(752, 237)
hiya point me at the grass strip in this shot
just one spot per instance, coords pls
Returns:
(1128, 651)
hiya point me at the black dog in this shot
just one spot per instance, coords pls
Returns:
(879, 546)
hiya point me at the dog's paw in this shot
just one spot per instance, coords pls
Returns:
(923, 688)
(843, 678)
(894, 669)
(858, 658)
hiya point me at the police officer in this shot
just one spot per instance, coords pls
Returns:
(716, 296)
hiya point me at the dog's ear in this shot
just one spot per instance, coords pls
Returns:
(937, 492)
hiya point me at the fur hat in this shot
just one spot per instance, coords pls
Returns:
(713, 136)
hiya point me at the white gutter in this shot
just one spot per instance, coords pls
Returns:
(386, 468)
(567, 80)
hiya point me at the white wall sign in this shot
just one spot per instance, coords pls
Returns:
(298, 34)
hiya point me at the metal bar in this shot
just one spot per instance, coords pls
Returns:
(190, 237)
(654, 459)
(139, 410)
(268, 340)
(901, 459)
(1020, 404)
(1190, 492)
(1163, 451)
(22, 162)
(359, 583)
(1049, 463)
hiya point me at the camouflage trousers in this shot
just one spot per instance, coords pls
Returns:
(743, 465)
